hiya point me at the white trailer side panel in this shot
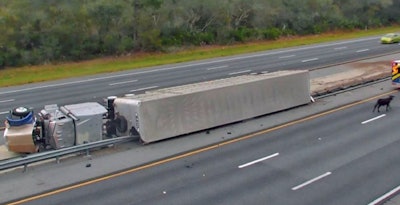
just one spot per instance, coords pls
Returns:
(170, 112)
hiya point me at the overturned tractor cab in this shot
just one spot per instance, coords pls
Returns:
(57, 127)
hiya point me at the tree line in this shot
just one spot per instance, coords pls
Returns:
(45, 31)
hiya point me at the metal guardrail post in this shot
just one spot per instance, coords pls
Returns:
(87, 153)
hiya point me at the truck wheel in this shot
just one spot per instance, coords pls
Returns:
(121, 124)
(21, 111)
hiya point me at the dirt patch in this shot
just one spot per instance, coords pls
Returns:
(372, 66)
(357, 73)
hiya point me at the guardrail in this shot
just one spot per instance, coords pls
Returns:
(24, 161)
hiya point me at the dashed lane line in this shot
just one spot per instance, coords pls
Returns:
(124, 82)
(146, 88)
(218, 67)
(10, 100)
(258, 160)
(311, 181)
(240, 72)
(372, 119)
(362, 50)
(308, 60)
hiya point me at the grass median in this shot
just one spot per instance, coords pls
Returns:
(41, 73)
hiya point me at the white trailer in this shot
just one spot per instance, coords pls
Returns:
(170, 112)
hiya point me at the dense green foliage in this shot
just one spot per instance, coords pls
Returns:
(42, 31)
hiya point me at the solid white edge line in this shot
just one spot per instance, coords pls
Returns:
(258, 160)
(141, 89)
(240, 72)
(372, 119)
(10, 100)
(5, 112)
(308, 60)
(385, 196)
(311, 181)
(118, 83)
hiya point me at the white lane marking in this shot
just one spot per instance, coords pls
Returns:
(362, 50)
(385, 196)
(214, 68)
(190, 65)
(340, 48)
(311, 181)
(308, 60)
(3, 101)
(124, 82)
(146, 88)
(372, 119)
(289, 56)
(5, 112)
(258, 160)
(100, 78)
(240, 72)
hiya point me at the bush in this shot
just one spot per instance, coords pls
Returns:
(243, 34)
(150, 40)
(272, 33)
(201, 38)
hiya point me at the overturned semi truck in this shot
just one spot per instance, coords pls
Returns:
(158, 114)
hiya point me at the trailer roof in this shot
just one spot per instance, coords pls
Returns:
(208, 85)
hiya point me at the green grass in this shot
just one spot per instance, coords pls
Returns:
(31, 74)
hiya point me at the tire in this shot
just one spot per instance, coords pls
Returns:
(21, 111)
(121, 124)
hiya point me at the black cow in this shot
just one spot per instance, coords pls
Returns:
(383, 102)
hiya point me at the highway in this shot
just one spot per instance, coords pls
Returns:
(348, 155)
(98, 87)
(344, 157)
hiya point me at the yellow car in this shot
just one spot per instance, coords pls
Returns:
(391, 38)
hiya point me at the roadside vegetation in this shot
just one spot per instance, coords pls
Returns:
(30, 74)
(68, 38)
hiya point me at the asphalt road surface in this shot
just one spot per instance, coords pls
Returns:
(348, 155)
(98, 87)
